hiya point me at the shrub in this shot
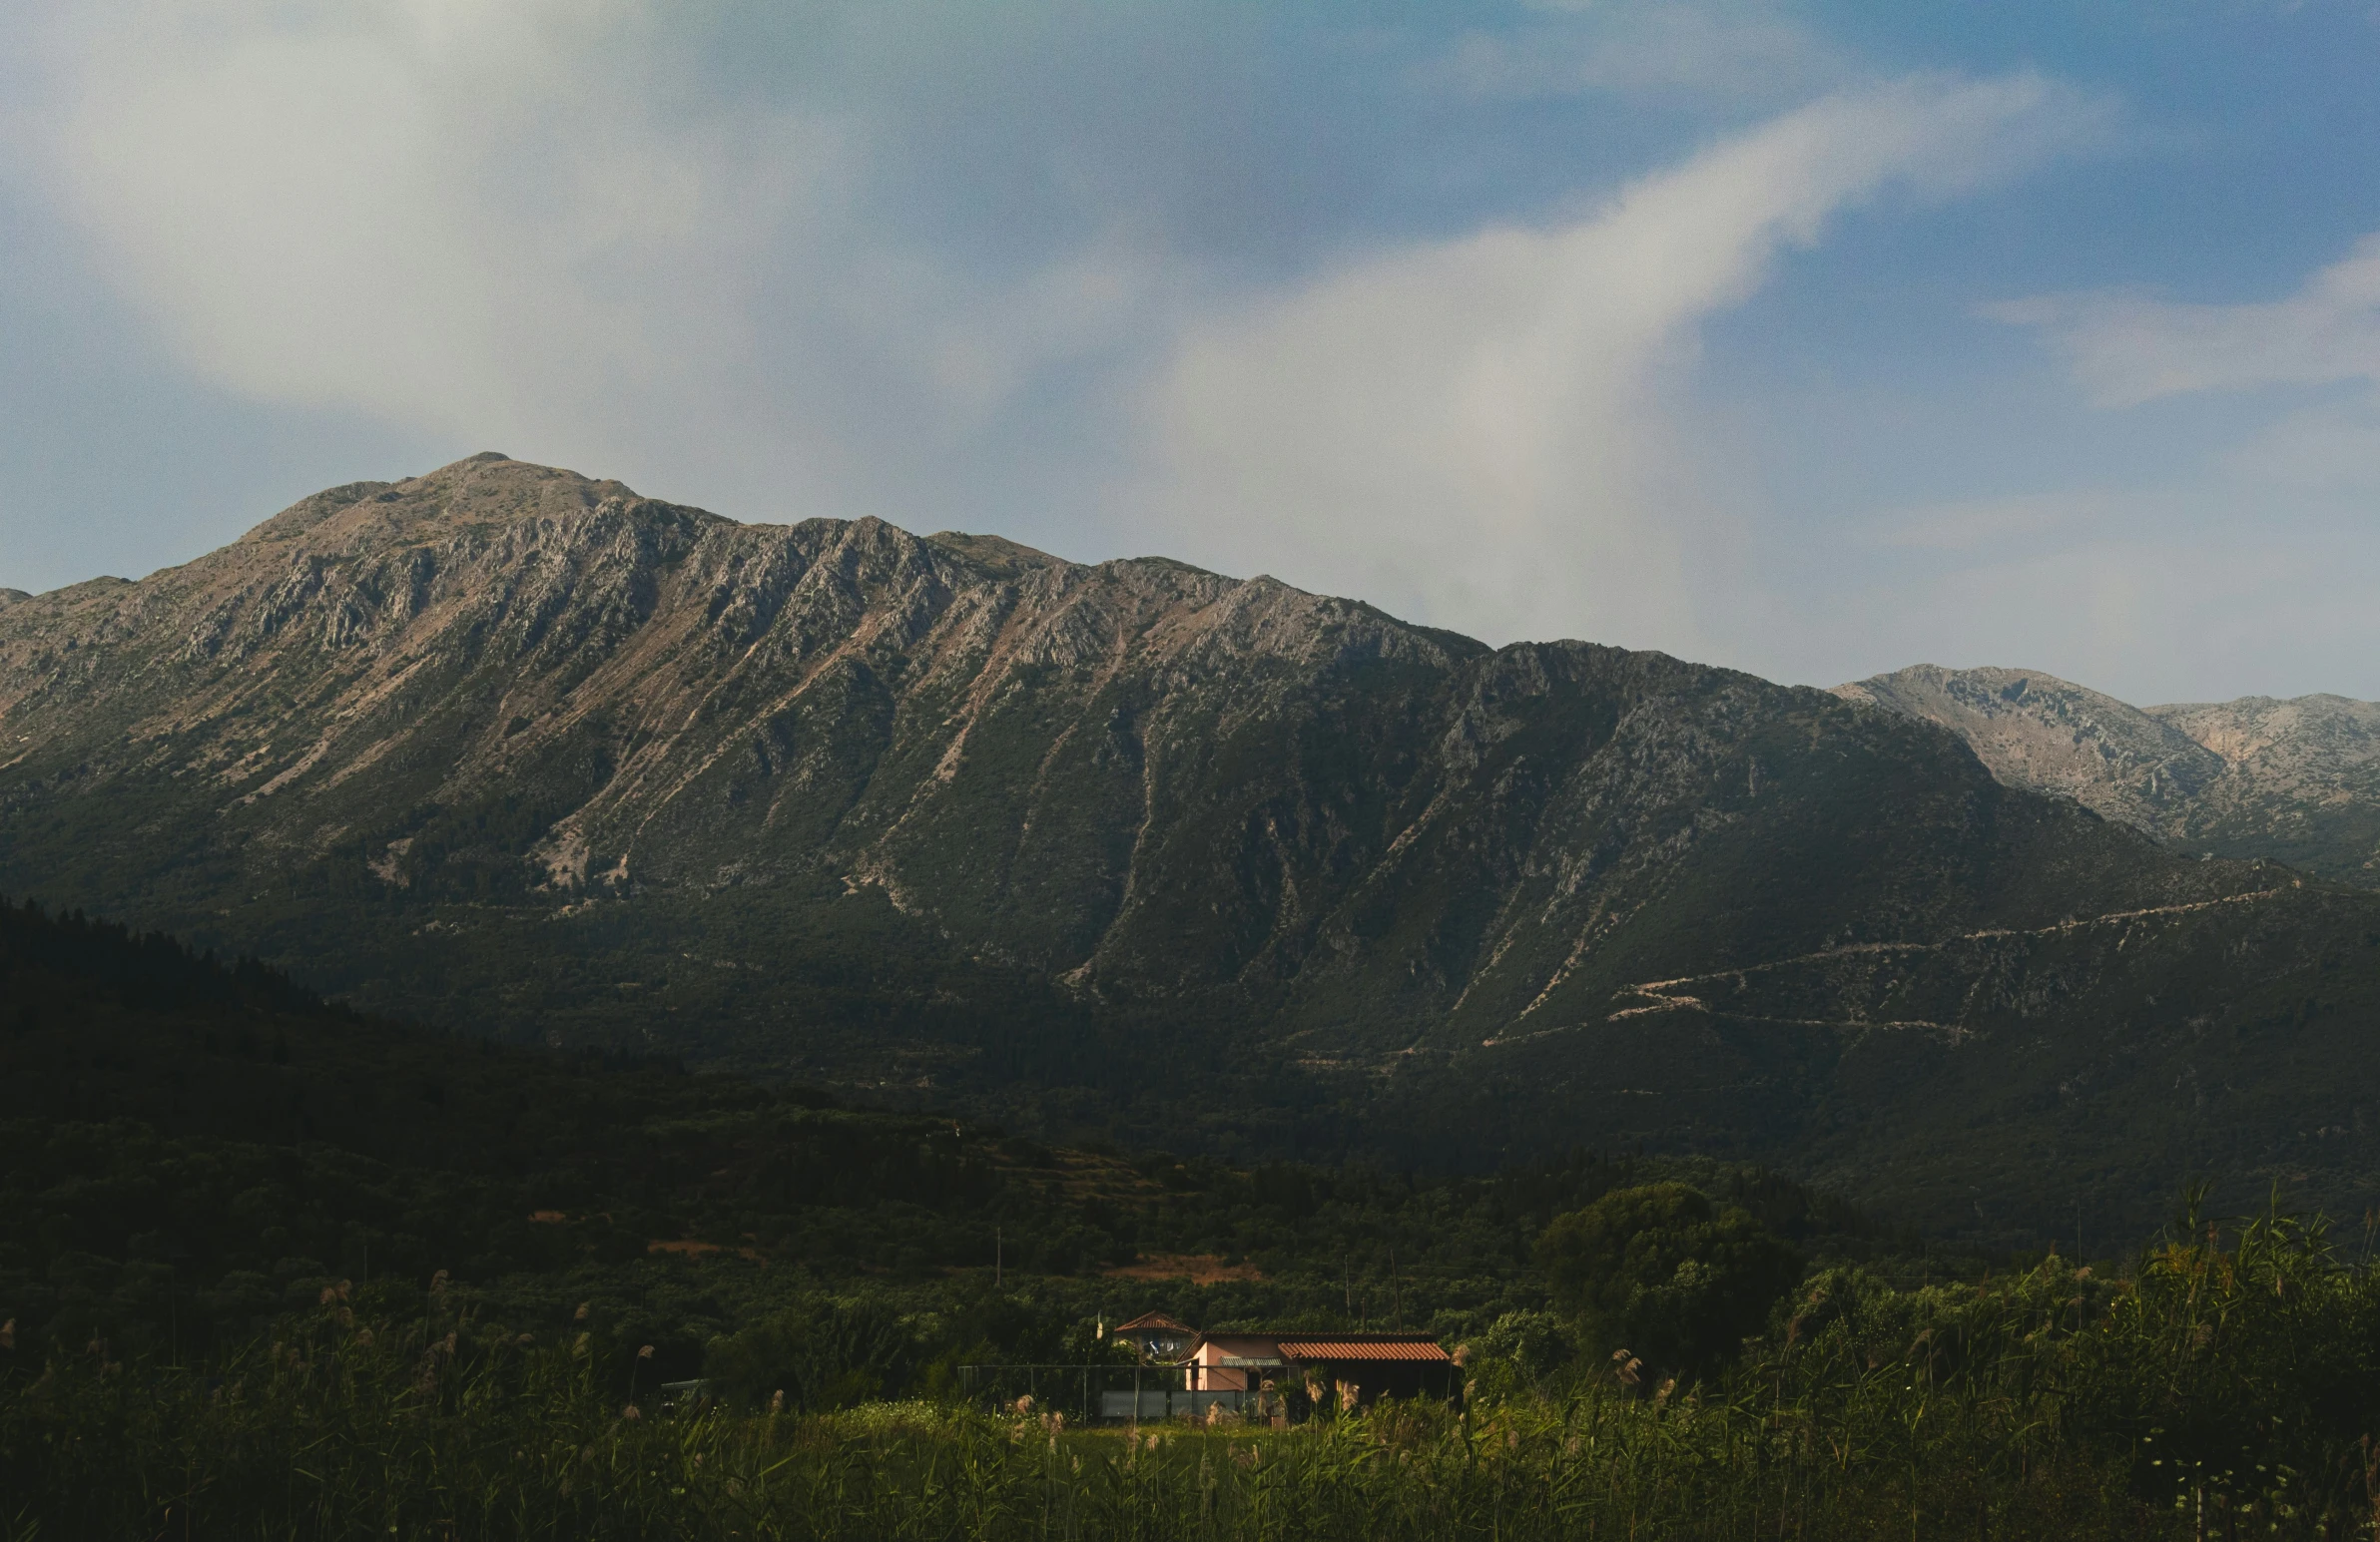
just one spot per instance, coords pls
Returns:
(1662, 1272)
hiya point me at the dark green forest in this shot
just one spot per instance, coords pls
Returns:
(193, 1148)
(271, 1266)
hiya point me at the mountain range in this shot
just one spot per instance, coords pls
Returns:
(1209, 862)
(2295, 779)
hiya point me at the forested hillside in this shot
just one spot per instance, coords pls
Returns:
(189, 1150)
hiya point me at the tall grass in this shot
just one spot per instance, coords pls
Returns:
(323, 1442)
(2221, 1390)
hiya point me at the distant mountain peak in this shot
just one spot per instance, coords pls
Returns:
(2034, 729)
(2295, 779)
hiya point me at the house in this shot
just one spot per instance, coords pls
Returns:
(1271, 1376)
(1157, 1338)
(1236, 1362)
(1343, 1370)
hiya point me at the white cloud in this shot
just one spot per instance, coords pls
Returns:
(2129, 348)
(1480, 431)
(306, 204)
(534, 226)
(2262, 559)
(459, 217)
(539, 227)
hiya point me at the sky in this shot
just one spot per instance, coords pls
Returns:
(1811, 339)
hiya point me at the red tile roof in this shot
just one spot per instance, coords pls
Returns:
(1362, 1350)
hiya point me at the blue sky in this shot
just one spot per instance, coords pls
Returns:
(1811, 339)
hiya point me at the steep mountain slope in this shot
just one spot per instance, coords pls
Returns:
(503, 683)
(2037, 731)
(2302, 781)
(1991, 1080)
(507, 748)
(2296, 780)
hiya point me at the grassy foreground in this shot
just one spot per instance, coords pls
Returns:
(346, 1446)
(2229, 1386)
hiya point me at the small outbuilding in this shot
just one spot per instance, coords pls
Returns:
(1361, 1369)
(1157, 1338)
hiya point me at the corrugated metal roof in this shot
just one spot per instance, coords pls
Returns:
(1360, 1349)
(1153, 1320)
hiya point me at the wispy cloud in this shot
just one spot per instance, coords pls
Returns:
(2128, 348)
(1481, 431)
(539, 227)
(572, 231)
(466, 217)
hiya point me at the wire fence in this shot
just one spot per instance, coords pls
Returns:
(1089, 1394)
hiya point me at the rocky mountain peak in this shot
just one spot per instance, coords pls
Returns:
(478, 489)
(996, 554)
(2306, 732)
(2034, 729)
(2295, 779)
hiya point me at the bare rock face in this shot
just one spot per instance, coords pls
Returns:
(507, 683)
(2301, 782)
(2037, 731)
(514, 749)
(2295, 780)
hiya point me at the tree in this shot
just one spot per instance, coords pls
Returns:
(1662, 1272)
(820, 1353)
